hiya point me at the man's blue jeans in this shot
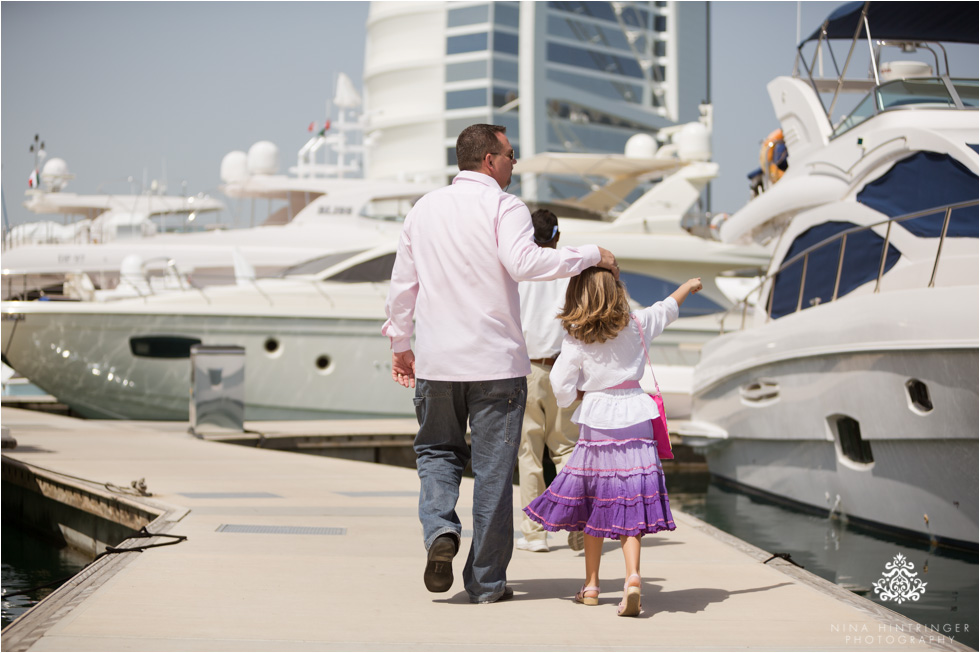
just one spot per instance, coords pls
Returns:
(495, 410)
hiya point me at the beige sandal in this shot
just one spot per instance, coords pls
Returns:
(580, 596)
(630, 605)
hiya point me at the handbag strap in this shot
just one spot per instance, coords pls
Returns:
(646, 352)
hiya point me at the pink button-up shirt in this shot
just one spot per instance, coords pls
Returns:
(462, 250)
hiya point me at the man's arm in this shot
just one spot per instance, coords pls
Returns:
(525, 261)
(400, 309)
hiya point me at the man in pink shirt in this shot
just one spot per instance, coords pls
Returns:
(462, 251)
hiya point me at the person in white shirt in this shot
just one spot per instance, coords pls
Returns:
(546, 424)
(461, 253)
(612, 485)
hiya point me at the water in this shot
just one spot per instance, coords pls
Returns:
(850, 557)
(29, 561)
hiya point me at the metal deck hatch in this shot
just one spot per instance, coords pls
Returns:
(280, 530)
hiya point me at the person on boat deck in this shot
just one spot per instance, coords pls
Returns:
(462, 250)
(546, 424)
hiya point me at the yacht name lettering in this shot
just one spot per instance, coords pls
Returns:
(336, 210)
(71, 258)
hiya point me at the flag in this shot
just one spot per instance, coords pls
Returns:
(323, 131)
(33, 181)
(312, 127)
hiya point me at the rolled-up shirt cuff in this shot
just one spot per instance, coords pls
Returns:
(400, 344)
(592, 252)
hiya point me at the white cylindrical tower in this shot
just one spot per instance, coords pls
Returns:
(404, 90)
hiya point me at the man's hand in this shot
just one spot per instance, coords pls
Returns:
(608, 261)
(403, 368)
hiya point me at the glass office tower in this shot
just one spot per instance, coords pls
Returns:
(561, 76)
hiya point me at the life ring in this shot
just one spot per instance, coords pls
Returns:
(773, 157)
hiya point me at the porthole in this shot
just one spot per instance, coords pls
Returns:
(324, 364)
(852, 445)
(919, 398)
(271, 345)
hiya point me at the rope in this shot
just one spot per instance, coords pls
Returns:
(143, 533)
(785, 556)
(137, 488)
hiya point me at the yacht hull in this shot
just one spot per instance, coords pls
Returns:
(90, 366)
(299, 364)
(846, 428)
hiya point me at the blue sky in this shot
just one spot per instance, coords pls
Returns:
(122, 89)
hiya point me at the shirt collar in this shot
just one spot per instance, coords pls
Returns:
(479, 177)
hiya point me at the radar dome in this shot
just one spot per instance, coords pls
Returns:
(693, 142)
(641, 146)
(904, 70)
(55, 168)
(263, 158)
(55, 174)
(234, 167)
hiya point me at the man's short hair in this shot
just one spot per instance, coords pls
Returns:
(474, 143)
(545, 225)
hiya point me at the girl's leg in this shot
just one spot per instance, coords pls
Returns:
(593, 556)
(589, 594)
(630, 605)
(631, 554)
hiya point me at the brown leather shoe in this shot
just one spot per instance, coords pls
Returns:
(438, 574)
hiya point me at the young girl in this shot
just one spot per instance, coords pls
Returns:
(612, 485)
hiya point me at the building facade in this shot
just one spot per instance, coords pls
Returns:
(561, 76)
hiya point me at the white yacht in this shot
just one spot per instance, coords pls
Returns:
(328, 207)
(851, 388)
(312, 338)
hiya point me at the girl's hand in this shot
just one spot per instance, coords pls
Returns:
(694, 285)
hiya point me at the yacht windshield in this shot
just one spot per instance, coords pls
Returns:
(930, 91)
(320, 263)
(967, 90)
(375, 270)
(924, 92)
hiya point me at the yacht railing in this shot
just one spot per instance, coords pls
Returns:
(743, 305)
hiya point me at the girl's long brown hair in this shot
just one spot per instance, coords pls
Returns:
(596, 306)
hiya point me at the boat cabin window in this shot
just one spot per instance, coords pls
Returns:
(648, 290)
(375, 270)
(389, 209)
(320, 263)
(923, 181)
(862, 257)
(162, 346)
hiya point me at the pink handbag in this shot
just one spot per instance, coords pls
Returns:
(660, 433)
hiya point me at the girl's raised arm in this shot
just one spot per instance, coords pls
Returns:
(689, 287)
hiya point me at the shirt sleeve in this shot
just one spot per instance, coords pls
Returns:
(565, 375)
(656, 318)
(402, 293)
(524, 260)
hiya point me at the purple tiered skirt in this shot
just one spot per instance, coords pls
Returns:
(611, 485)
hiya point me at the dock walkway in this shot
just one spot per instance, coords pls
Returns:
(291, 552)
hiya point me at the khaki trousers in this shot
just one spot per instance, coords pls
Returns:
(545, 425)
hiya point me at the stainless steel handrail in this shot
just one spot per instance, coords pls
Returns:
(743, 305)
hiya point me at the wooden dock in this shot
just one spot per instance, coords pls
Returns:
(290, 552)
